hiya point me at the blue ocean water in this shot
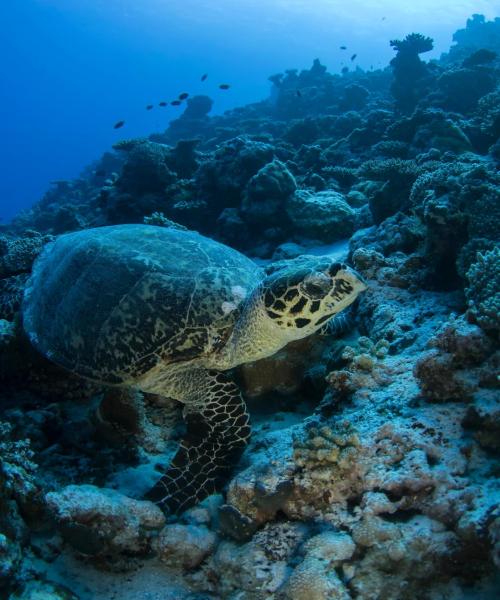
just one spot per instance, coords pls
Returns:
(72, 68)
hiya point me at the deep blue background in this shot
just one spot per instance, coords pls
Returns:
(71, 68)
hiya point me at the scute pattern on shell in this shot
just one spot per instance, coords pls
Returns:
(110, 303)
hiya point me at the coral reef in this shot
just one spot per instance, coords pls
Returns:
(185, 546)
(266, 194)
(324, 216)
(102, 522)
(483, 289)
(18, 499)
(373, 467)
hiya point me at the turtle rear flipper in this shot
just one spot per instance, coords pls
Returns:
(217, 432)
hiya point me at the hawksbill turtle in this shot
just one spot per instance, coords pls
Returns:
(169, 311)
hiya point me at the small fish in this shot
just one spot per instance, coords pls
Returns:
(343, 47)
(183, 96)
(119, 124)
(204, 76)
(175, 102)
(163, 104)
(383, 18)
(353, 56)
(345, 70)
(100, 173)
(224, 86)
(299, 93)
(149, 107)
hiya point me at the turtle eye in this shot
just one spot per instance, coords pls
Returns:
(317, 285)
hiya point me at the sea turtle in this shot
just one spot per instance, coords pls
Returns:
(168, 311)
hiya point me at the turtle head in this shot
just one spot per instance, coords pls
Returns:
(301, 297)
(293, 301)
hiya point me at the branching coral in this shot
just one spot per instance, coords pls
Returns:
(16, 464)
(17, 488)
(17, 254)
(488, 111)
(11, 295)
(480, 57)
(463, 87)
(457, 203)
(398, 177)
(145, 170)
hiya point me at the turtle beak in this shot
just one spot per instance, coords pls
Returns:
(357, 284)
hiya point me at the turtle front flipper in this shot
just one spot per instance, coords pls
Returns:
(217, 432)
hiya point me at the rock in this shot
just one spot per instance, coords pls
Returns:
(43, 590)
(440, 381)
(483, 290)
(222, 180)
(198, 107)
(185, 546)
(7, 333)
(10, 561)
(98, 522)
(266, 194)
(356, 199)
(11, 295)
(183, 158)
(313, 580)
(324, 216)
(288, 250)
(463, 87)
(146, 170)
(330, 546)
(397, 177)
(484, 419)
(398, 233)
(354, 97)
(235, 524)
(247, 571)
(283, 373)
(449, 372)
(409, 554)
(232, 229)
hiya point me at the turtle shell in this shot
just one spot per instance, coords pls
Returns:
(111, 303)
